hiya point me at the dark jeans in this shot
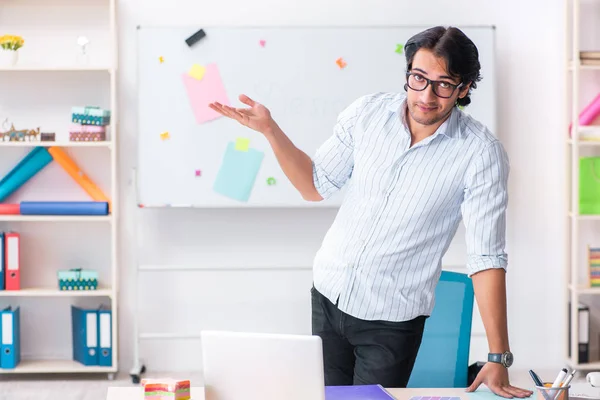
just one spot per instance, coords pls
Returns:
(359, 352)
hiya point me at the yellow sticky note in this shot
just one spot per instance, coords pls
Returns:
(197, 71)
(164, 135)
(242, 144)
(161, 59)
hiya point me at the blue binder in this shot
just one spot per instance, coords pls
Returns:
(104, 337)
(10, 338)
(84, 324)
(2, 258)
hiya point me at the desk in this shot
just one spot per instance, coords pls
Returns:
(133, 393)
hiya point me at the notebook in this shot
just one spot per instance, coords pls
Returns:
(357, 392)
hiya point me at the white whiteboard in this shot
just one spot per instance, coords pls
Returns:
(293, 71)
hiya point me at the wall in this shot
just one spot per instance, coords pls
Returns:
(530, 114)
(255, 264)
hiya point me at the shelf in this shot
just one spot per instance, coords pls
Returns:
(585, 66)
(57, 144)
(56, 218)
(54, 366)
(582, 289)
(41, 68)
(589, 143)
(585, 366)
(53, 292)
(586, 217)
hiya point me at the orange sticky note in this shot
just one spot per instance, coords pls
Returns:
(341, 63)
(197, 71)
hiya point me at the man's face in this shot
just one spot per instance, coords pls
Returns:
(425, 107)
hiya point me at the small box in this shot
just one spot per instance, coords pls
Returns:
(87, 133)
(90, 116)
(77, 279)
(48, 136)
(166, 389)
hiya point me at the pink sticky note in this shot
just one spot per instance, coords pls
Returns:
(203, 92)
(262, 43)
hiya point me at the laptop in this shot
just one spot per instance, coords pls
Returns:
(262, 366)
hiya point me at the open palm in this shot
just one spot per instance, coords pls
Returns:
(256, 117)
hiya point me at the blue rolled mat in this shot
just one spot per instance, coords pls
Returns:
(33, 162)
(64, 208)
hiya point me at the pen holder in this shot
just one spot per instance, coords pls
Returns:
(547, 392)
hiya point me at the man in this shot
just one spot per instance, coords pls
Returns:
(413, 164)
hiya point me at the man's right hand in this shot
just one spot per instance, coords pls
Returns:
(257, 116)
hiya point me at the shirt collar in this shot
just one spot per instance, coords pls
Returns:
(450, 128)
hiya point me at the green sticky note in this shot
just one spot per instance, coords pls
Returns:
(242, 144)
(399, 48)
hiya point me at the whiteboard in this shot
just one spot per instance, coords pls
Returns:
(187, 158)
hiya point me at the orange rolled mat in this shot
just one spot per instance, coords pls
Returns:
(77, 174)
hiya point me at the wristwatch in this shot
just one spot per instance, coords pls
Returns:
(506, 358)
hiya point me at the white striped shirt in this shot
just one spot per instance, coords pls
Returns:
(381, 258)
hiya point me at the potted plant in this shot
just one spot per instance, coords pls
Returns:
(9, 49)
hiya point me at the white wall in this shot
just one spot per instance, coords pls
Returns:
(530, 101)
(530, 116)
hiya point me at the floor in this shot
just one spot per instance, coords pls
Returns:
(86, 388)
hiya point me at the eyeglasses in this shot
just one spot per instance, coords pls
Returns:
(441, 89)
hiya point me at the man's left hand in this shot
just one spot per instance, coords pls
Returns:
(495, 377)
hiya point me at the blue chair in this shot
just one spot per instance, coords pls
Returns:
(442, 361)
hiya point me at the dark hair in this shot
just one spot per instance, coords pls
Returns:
(455, 47)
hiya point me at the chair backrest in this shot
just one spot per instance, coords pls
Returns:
(443, 357)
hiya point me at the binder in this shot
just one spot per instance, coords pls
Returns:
(584, 333)
(12, 260)
(104, 337)
(84, 325)
(2, 261)
(10, 338)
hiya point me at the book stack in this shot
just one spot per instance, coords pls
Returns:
(589, 57)
(89, 124)
(594, 264)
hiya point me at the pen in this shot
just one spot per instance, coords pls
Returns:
(561, 375)
(566, 382)
(536, 379)
(569, 378)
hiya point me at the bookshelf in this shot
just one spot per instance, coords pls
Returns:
(50, 77)
(583, 141)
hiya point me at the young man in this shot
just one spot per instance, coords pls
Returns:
(414, 164)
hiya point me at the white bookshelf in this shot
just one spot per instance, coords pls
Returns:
(577, 281)
(49, 59)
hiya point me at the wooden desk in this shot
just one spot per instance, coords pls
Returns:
(133, 393)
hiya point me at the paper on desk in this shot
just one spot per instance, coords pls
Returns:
(203, 92)
(583, 390)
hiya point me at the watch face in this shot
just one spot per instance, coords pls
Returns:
(507, 359)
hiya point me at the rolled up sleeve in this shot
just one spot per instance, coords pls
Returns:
(484, 209)
(334, 160)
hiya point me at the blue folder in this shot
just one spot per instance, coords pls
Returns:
(104, 337)
(33, 162)
(64, 208)
(10, 338)
(2, 259)
(84, 325)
